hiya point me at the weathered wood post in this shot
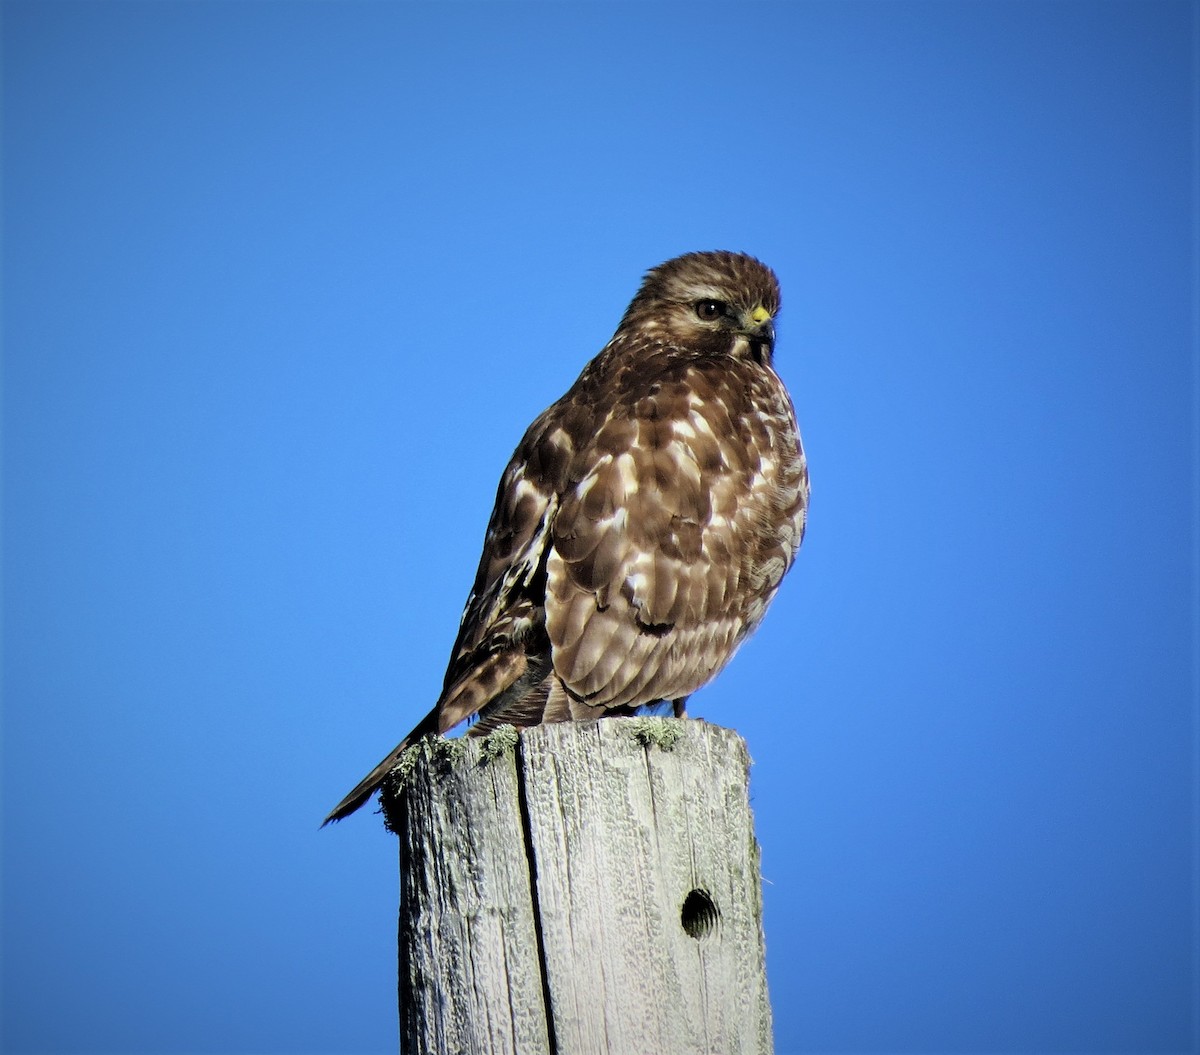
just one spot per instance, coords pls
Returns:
(580, 889)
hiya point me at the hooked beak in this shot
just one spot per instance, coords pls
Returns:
(758, 323)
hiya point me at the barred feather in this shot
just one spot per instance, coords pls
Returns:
(645, 521)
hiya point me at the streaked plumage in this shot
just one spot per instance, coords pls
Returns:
(644, 522)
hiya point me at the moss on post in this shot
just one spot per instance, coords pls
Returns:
(578, 889)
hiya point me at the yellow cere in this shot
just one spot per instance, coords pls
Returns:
(760, 315)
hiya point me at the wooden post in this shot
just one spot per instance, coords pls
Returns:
(580, 889)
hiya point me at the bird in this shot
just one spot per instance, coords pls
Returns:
(644, 522)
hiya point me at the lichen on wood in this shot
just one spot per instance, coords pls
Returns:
(581, 888)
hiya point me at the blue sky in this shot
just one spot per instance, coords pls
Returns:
(283, 285)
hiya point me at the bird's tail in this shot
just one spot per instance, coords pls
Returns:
(371, 782)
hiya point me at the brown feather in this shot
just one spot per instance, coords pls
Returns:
(644, 522)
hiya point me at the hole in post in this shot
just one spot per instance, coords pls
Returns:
(699, 914)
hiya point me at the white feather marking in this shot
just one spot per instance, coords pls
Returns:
(685, 460)
(522, 488)
(627, 474)
(636, 584)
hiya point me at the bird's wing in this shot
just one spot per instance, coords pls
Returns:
(501, 651)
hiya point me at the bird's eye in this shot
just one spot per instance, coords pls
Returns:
(709, 309)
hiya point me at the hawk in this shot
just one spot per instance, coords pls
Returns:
(644, 522)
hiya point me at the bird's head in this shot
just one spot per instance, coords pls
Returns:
(704, 298)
